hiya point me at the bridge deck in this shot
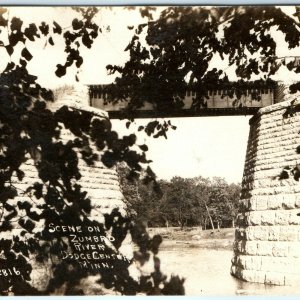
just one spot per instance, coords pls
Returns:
(204, 112)
(218, 103)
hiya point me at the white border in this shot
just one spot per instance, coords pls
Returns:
(144, 2)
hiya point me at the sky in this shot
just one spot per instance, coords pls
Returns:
(206, 146)
(200, 146)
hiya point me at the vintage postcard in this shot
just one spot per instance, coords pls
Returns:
(149, 150)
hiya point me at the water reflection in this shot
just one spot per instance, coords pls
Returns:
(207, 273)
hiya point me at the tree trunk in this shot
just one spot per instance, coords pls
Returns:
(233, 224)
(211, 222)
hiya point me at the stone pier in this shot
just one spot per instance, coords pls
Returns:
(267, 240)
(101, 183)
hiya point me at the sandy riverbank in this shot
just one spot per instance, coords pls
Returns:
(195, 238)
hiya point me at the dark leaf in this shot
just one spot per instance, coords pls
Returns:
(284, 175)
(57, 28)
(109, 159)
(44, 28)
(60, 70)
(26, 54)
(50, 40)
(16, 24)
(77, 24)
(47, 94)
(23, 62)
(20, 174)
(9, 49)
(87, 41)
(79, 61)
(34, 216)
(9, 67)
(38, 187)
(9, 207)
(144, 147)
(27, 224)
(296, 175)
(30, 32)
(24, 205)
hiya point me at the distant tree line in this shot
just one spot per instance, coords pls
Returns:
(211, 203)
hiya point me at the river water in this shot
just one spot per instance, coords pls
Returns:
(207, 273)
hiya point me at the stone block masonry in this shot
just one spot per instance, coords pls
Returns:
(101, 183)
(267, 240)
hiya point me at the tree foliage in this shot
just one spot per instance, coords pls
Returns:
(30, 131)
(176, 52)
(183, 201)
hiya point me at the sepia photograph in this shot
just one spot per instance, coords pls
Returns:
(150, 150)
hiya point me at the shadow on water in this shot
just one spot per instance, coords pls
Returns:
(207, 272)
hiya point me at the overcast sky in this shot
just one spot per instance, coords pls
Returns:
(207, 146)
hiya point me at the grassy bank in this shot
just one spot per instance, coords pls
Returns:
(195, 237)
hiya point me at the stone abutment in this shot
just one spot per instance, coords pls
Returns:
(101, 184)
(267, 239)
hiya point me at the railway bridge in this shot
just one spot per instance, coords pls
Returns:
(267, 239)
(217, 103)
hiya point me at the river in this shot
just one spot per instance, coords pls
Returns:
(207, 273)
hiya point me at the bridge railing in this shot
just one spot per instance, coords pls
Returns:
(218, 102)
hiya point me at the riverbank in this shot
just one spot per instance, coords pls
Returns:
(195, 237)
